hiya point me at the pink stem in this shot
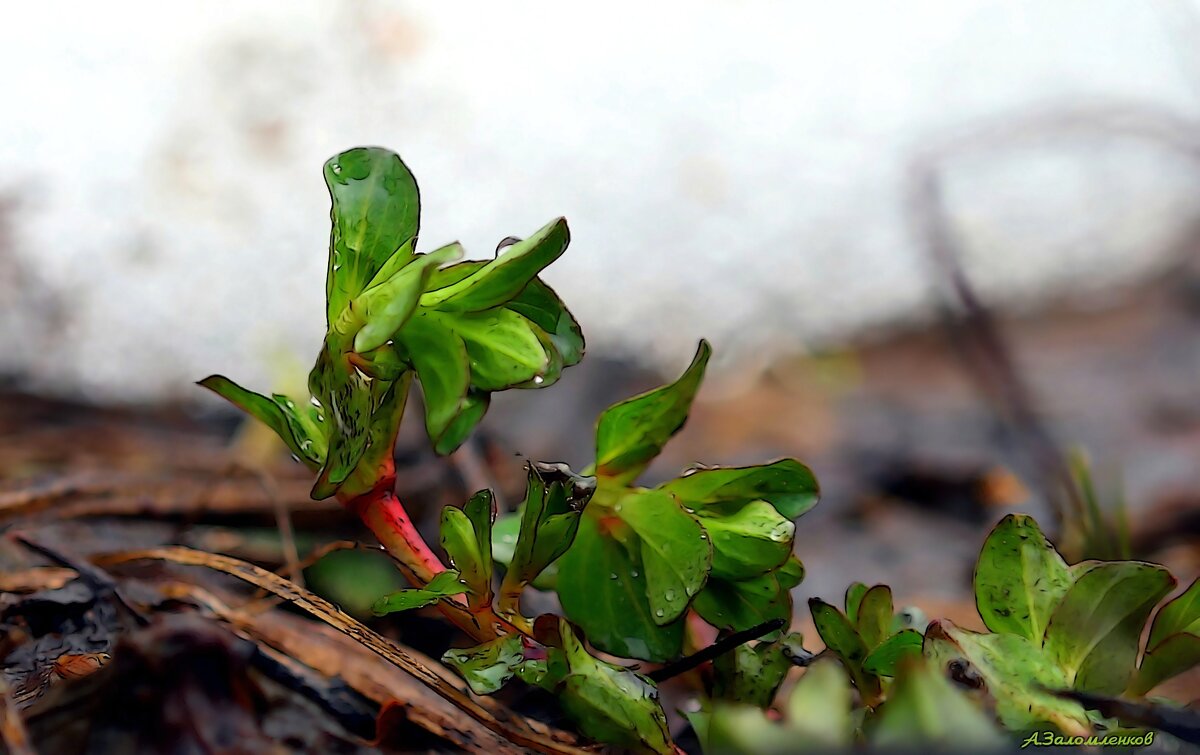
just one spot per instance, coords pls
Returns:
(385, 516)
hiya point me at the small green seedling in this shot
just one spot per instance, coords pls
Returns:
(1060, 636)
(629, 562)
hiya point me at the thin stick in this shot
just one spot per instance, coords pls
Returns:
(331, 615)
(715, 650)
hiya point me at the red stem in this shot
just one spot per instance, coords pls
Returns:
(385, 516)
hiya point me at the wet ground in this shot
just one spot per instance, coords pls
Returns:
(917, 454)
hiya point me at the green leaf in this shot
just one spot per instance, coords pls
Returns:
(843, 640)
(753, 674)
(790, 574)
(741, 604)
(750, 541)
(440, 359)
(1170, 657)
(503, 348)
(1012, 670)
(500, 280)
(675, 551)
(925, 710)
(376, 210)
(1019, 579)
(818, 710)
(347, 397)
(630, 434)
(467, 539)
(299, 429)
(445, 584)
(482, 327)
(487, 667)
(609, 703)
(888, 656)
(1182, 614)
(787, 485)
(385, 307)
(1095, 632)
(854, 596)
(875, 615)
(1174, 643)
(602, 587)
(554, 499)
(540, 305)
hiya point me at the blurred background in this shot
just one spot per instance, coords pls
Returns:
(936, 245)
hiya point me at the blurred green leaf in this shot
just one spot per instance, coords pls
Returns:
(875, 615)
(854, 596)
(1012, 670)
(1019, 579)
(844, 641)
(630, 434)
(818, 710)
(1169, 658)
(888, 656)
(1095, 632)
(925, 710)
(1182, 614)
(1174, 643)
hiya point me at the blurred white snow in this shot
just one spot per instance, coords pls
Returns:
(730, 169)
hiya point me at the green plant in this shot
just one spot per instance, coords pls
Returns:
(634, 567)
(716, 540)
(1063, 640)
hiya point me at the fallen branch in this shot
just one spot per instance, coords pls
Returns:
(521, 734)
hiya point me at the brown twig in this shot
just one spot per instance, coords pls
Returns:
(12, 728)
(513, 729)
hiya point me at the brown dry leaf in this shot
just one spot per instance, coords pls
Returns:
(513, 728)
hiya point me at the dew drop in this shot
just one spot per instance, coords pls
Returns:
(670, 595)
(612, 576)
(336, 168)
(633, 573)
(659, 612)
(538, 379)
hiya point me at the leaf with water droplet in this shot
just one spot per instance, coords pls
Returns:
(299, 429)
(487, 667)
(675, 558)
(444, 585)
(376, 210)
(749, 541)
(609, 703)
(787, 485)
(614, 612)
